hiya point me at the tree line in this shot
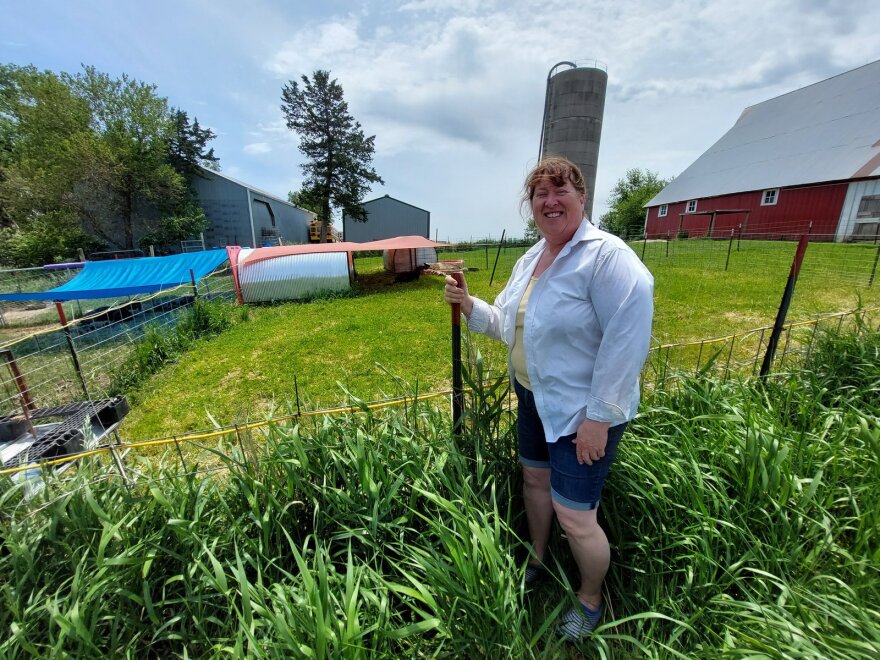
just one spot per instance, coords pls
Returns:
(94, 162)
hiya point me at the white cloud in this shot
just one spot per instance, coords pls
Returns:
(454, 89)
(456, 6)
(256, 148)
(440, 81)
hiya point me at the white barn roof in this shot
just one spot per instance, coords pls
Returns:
(828, 131)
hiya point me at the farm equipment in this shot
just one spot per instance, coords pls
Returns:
(333, 235)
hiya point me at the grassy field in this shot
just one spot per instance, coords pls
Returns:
(350, 344)
(744, 521)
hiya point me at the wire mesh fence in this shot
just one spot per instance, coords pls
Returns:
(854, 264)
(667, 365)
(54, 364)
(57, 365)
(80, 361)
(25, 314)
(851, 263)
(741, 354)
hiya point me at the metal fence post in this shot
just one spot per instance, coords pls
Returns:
(497, 254)
(457, 390)
(69, 337)
(729, 246)
(644, 245)
(874, 267)
(784, 304)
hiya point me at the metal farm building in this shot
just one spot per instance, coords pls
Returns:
(387, 218)
(239, 214)
(806, 161)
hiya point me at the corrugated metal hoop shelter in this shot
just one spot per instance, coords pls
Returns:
(294, 275)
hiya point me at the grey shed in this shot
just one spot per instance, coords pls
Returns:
(239, 214)
(387, 217)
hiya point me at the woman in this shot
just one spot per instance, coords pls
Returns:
(576, 316)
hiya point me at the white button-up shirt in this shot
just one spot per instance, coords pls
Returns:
(587, 329)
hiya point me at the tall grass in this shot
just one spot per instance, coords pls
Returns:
(751, 512)
(743, 519)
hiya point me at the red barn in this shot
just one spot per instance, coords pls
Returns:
(808, 160)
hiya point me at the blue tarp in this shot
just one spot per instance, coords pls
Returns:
(127, 277)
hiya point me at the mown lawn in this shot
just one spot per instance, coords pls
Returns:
(334, 347)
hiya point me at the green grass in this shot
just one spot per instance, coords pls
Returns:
(744, 520)
(335, 346)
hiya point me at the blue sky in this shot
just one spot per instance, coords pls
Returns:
(453, 89)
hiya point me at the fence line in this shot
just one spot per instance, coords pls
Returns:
(97, 340)
(652, 378)
(233, 428)
(62, 364)
(853, 263)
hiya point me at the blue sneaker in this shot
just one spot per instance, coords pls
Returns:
(579, 622)
(534, 575)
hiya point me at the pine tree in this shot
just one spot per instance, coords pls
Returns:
(339, 168)
(188, 145)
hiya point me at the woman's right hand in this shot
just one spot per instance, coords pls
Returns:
(458, 295)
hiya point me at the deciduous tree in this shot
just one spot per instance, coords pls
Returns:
(89, 161)
(339, 168)
(628, 198)
(47, 153)
(134, 122)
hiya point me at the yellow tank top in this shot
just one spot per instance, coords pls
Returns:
(518, 350)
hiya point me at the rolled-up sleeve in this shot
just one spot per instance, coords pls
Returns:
(487, 319)
(623, 297)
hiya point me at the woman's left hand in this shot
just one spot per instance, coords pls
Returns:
(592, 436)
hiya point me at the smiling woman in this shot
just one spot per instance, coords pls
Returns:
(576, 317)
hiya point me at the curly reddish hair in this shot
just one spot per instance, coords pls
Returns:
(558, 171)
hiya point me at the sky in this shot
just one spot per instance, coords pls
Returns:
(453, 90)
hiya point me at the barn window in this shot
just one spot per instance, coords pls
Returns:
(692, 206)
(770, 197)
(661, 212)
(869, 207)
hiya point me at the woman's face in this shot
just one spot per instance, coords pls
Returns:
(557, 210)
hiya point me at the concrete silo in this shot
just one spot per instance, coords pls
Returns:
(573, 108)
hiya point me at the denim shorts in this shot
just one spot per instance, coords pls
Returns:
(572, 484)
